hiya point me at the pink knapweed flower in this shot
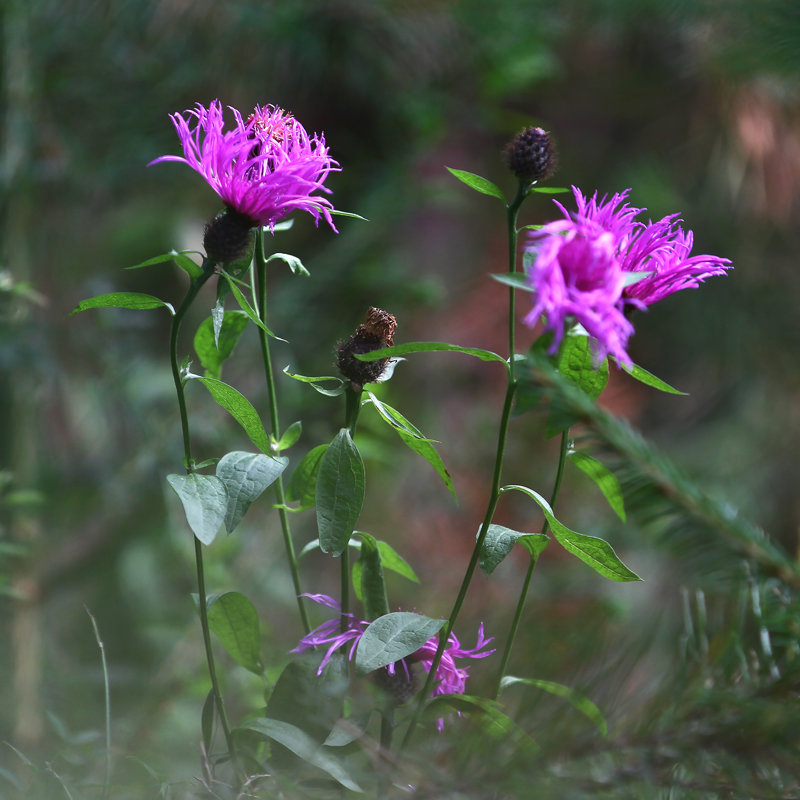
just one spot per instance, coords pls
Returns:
(450, 678)
(263, 168)
(582, 266)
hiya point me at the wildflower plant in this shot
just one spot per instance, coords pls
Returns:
(362, 689)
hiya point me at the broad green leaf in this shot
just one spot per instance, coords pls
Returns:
(180, 258)
(246, 476)
(302, 487)
(240, 408)
(499, 542)
(234, 621)
(337, 389)
(133, 300)
(392, 637)
(605, 479)
(647, 378)
(477, 183)
(304, 747)
(575, 698)
(372, 584)
(294, 263)
(429, 347)
(340, 493)
(205, 502)
(514, 279)
(214, 350)
(596, 553)
(290, 436)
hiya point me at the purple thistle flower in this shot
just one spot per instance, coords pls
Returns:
(450, 678)
(582, 263)
(263, 168)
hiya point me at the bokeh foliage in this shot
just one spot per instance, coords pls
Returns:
(693, 104)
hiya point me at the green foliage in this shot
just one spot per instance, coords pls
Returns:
(205, 502)
(499, 542)
(135, 301)
(393, 637)
(477, 183)
(214, 345)
(234, 620)
(604, 478)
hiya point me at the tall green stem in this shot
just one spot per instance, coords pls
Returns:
(280, 494)
(352, 407)
(194, 289)
(512, 633)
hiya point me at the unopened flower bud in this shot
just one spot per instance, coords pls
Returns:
(376, 332)
(228, 237)
(400, 685)
(531, 155)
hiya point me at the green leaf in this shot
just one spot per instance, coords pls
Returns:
(180, 258)
(294, 263)
(302, 487)
(133, 300)
(339, 493)
(245, 306)
(337, 213)
(205, 502)
(240, 408)
(392, 637)
(575, 698)
(412, 438)
(303, 746)
(392, 560)
(605, 479)
(513, 279)
(290, 436)
(372, 584)
(550, 189)
(596, 553)
(647, 378)
(477, 183)
(214, 350)
(429, 347)
(246, 476)
(339, 384)
(234, 621)
(499, 542)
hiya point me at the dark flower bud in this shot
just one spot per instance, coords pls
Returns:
(228, 237)
(531, 155)
(376, 332)
(400, 686)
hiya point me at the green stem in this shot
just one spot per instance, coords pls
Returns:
(280, 494)
(512, 633)
(194, 289)
(353, 406)
(512, 212)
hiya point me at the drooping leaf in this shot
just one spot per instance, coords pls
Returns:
(294, 263)
(240, 408)
(234, 620)
(605, 479)
(339, 493)
(180, 258)
(647, 378)
(334, 391)
(372, 584)
(429, 347)
(302, 487)
(595, 552)
(132, 300)
(245, 305)
(246, 476)
(213, 350)
(392, 637)
(477, 183)
(575, 698)
(205, 503)
(304, 747)
(499, 542)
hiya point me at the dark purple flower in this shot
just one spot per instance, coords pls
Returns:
(582, 265)
(263, 168)
(450, 678)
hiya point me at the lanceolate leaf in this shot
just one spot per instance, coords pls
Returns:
(246, 307)
(133, 300)
(595, 552)
(234, 620)
(575, 698)
(429, 347)
(605, 479)
(339, 493)
(514, 279)
(373, 586)
(181, 259)
(392, 637)
(647, 378)
(205, 503)
(477, 183)
(303, 484)
(246, 476)
(303, 746)
(240, 408)
(213, 352)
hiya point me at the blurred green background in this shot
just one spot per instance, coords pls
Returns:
(693, 104)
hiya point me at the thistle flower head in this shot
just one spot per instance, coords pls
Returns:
(263, 168)
(531, 155)
(376, 332)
